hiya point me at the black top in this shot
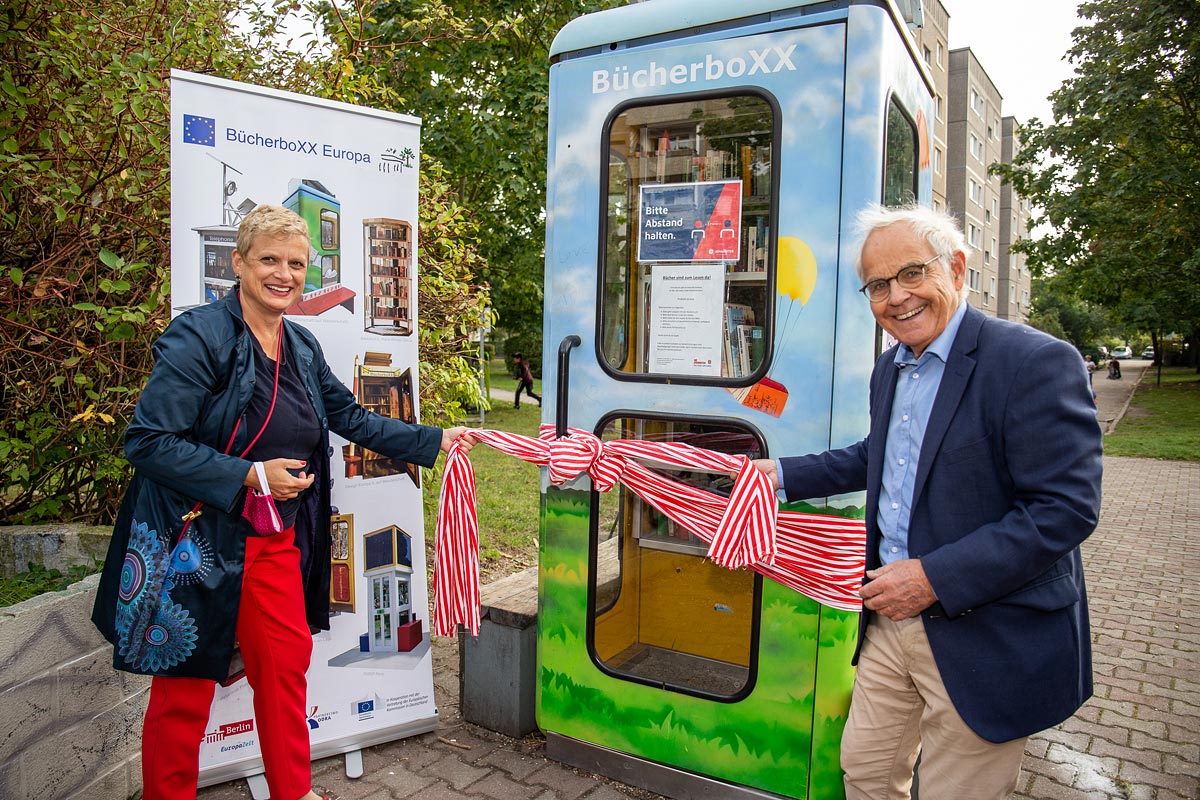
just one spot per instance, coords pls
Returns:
(293, 431)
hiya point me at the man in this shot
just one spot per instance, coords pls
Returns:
(982, 472)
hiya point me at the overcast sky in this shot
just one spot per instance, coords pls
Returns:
(1021, 44)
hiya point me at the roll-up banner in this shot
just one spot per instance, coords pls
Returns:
(351, 172)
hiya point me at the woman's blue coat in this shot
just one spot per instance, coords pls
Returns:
(201, 385)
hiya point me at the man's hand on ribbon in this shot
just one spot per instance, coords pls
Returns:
(770, 468)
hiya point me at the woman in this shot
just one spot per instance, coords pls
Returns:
(230, 376)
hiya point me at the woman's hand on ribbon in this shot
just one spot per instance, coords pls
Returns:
(452, 435)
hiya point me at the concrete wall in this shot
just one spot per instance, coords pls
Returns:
(51, 546)
(70, 725)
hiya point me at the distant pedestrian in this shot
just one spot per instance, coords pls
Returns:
(524, 380)
(1114, 369)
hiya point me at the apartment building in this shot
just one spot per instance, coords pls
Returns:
(1014, 226)
(933, 42)
(969, 135)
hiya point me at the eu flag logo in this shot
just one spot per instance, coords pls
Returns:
(199, 130)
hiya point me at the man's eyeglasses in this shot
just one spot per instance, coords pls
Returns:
(909, 277)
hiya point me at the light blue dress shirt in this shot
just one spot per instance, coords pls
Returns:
(917, 382)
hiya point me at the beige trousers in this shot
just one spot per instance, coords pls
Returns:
(899, 709)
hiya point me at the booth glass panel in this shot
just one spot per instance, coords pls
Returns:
(663, 614)
(329, 230)
(899, 158)
(688, 185)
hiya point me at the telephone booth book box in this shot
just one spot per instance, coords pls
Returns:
(706, 161)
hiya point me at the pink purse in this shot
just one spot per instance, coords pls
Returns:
(260, 510)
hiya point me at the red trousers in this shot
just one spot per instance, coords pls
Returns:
(276, 646)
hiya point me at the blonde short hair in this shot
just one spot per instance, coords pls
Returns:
(268, 220)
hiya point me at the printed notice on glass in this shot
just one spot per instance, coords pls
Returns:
(690, 221)
(685, 319)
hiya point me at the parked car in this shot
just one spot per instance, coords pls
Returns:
(1148, 354)
(1122, 352)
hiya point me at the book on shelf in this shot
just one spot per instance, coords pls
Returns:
(752, 347)
(736, 314)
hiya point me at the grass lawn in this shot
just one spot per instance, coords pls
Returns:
(507, 489)
(1162, 421)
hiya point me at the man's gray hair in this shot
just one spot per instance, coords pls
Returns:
(938, 228)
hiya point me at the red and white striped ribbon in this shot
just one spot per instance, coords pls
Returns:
(820, 556)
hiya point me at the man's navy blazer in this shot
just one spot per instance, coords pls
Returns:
(1007, 487)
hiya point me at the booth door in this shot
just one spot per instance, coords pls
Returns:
(384, 613)
(664, 615)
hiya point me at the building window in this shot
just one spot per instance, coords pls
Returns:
(995, 248)
(976, 191)
(973, 235)
(938, 104)
(996, 208)
(939, 54)
(937, 160)
(976, 102)
(973, 279)
(928, 57)
(976, 147)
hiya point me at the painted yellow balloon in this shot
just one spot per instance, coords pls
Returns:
(796, 275)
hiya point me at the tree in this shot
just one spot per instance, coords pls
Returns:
(479, 80)
(1057, 311)
(84, 227)
(1117, 174)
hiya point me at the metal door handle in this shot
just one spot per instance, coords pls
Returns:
(564, 372)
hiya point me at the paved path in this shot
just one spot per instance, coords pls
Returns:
(1138, 738)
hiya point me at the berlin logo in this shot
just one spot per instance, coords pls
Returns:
(230, 729)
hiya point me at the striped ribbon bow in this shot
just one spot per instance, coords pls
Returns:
(819, 556)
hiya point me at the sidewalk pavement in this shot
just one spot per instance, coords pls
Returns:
(1138, 738)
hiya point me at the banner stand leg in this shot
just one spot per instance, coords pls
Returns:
(354, 765)
(258, 786)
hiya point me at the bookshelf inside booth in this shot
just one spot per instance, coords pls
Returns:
(387, 252)
(722, 140)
